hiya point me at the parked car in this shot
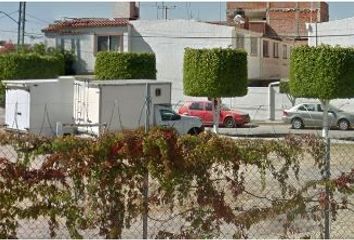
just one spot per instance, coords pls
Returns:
(203, 109)
(311, 114)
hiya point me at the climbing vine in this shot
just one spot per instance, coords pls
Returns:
(98, 183)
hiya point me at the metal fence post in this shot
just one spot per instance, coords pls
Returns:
(146, 176)
(325, 106)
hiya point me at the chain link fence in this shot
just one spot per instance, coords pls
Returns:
(257, 204)
(254, 202)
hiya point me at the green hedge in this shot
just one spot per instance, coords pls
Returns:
(284, 87)
(322, 72)
(115, 65)
(28, 66)
(215, 72)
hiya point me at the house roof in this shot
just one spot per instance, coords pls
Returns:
(75, 23)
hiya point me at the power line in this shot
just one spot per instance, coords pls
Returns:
(8, 15)
(38, 19)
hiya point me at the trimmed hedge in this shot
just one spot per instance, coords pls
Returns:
(322, 72)
(215, 72)
(28, 66)
(284, 87)
(115, 65)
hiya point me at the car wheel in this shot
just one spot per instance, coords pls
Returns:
(297, 123)
(229, 122)
(194, 131)
(343, 124)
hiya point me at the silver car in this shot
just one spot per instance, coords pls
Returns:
(311, 114)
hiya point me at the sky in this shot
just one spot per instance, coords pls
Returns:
(40, 14)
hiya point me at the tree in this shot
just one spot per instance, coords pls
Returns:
(215, 73)
(284, 88)
(325, 73)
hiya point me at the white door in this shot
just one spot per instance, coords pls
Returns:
(17, 109)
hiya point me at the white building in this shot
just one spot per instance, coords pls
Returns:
(87, 36)
(267, 58)
(338, 32)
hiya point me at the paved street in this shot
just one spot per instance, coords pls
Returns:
(268, 130)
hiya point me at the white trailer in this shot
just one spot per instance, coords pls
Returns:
(38, 105)
(121, 104)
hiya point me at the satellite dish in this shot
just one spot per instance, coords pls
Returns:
(238, 19)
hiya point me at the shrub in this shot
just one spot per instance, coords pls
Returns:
(322, 72)
(27, 66)
(114, 65)
(215, 72)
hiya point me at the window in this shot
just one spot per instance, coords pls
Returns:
(254, 46)
(240, 41)
(108, 43)
(265, 48)
(209, 107)
(307, 108)
(196, 106)
(285, 51)
(167, 115)
(158, 92)
(275, 50)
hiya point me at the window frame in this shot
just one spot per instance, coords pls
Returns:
(275, 50)
(255, 52)
(240, 40)
(285, 51)
(96, 36)
(265, 53)
(195, 109)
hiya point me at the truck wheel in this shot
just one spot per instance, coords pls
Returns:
(194, 131)
(343, 124)
(229, 122)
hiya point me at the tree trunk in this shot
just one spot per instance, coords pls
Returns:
(216, 113)
(325, 107)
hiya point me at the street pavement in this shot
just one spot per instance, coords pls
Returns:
(278, 129)
(263, 129)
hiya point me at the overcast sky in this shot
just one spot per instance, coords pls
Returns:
(40, 14)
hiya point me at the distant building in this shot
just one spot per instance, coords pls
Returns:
(87, 36)
(267, 57)
(338, 32)
(128, 10)
(278, 19)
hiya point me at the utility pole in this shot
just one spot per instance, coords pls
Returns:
(21, 25)
(164, 10)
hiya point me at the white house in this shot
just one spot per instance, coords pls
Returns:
(87, 36)
(267, 58)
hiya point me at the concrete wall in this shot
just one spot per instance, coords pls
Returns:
(330, 33)
(256, 103)
(164, 38)
(168, 39)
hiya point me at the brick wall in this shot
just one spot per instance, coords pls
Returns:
(284, 18)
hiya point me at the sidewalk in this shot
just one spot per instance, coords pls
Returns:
(268, 122)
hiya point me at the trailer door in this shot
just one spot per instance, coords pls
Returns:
(17, 108)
